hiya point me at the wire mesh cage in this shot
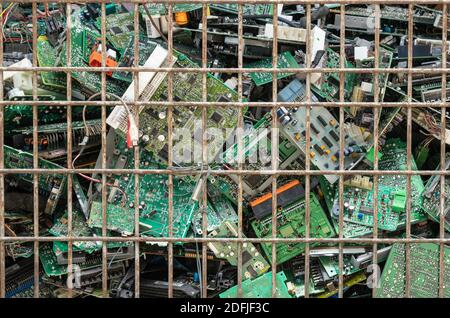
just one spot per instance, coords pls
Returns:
(234, 148)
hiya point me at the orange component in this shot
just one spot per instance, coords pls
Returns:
(181, 18)
(268, 196)
(95, 60)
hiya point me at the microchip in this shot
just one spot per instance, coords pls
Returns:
(252, 272)
(116, 30)
(334, 135)
(314, 129)
(246, 256)
(222, 99)
(318, 149)
(327, 142)
(322, 121)
(253, 180)
(216, 117)
(164, 152)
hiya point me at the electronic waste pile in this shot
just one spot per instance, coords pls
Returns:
(208, 201)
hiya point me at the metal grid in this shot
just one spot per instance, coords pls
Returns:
(274, 171)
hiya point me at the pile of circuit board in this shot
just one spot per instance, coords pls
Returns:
(202, 146)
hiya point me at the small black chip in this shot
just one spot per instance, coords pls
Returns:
(327, 142)
(216, 117)
(334, 135)
(322, 121)
(318, 149)
(246, 256)
(116, 30)
(314, 129)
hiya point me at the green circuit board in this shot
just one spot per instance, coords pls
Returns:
(187, 121)
(219, 210)
(119, 29)
(329, 85)
(90, 80)
(47, 55)
(248, 9)
(358, 202)
(253, 263)
(79, 228)
(260, 287)
(127, 58)
(161, 8)
(291, 224)
(285, 60)
(424, 272)
(119, 219)
(432, 198)
(256, 149)
(153, 197)
(52, 268)
(51, 185)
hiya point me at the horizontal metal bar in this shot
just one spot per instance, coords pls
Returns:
(222, 239)
(143, 69)
(269, 172)
(229, 104)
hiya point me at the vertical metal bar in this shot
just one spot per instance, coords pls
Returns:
(375, 140)
(2, 177)
(408, 150)
(170, 147)
(104, 200)
(136, 75)
(239, 137)
(308, 148)
(69, 144)
(204, 149)
(442, 197)
(274, 147)
(35, 158)
(341, 150)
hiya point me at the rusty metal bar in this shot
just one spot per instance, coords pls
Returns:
(408, 153)
(341, 149)
(376, 114)
(136, 75)
(204, 200)
(233, 104)
(103, 153)
(170, 155)
(442, 197)
(69, 146)
(308, 148)
(274, 148)
(2, 177)
(239, 136)
(216, 239)
(231, 171)
(35, 158)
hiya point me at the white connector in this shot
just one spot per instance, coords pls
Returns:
(133, 132)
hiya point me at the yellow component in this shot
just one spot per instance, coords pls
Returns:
(298, 136)
(323, 147)
(327, 151)
(332, 122)
(333, 158)
(181, 18)
(312, 154)
(352, 280)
